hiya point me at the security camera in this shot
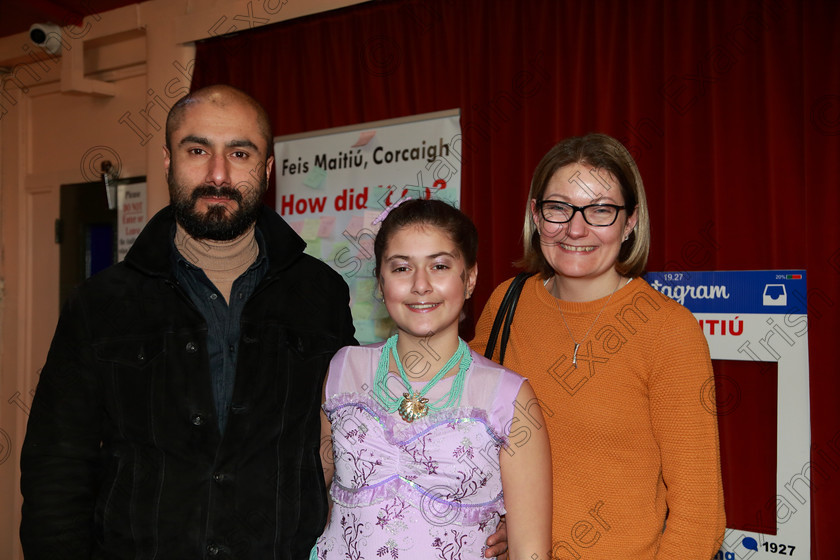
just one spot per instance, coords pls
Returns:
(47, 36)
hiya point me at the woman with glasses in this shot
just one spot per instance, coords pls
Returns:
(620, 370)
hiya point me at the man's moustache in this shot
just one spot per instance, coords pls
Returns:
(221, 192)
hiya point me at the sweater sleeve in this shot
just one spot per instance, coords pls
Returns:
(684, 421)
(485, 322)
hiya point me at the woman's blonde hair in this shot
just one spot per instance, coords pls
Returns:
(601, 152)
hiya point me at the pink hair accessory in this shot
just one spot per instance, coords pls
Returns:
(381, 217)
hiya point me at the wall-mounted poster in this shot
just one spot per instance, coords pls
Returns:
(131, 215)
(332, 184)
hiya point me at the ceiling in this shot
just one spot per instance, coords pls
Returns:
(17, 15)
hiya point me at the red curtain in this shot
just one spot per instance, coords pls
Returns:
(731, 109)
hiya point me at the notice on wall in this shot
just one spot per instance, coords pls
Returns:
(131, 215)
(332, 184)
(761, 316)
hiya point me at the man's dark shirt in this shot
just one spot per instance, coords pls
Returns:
(222, 319)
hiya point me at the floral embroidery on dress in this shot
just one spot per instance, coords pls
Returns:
(449, 548)
(321, 553)
(391, 512)
(390, 547)
(426, 490)
(465, 449)
(469, 483)
(351, 532)
(363, 468)
(420, 454)
(357, 433)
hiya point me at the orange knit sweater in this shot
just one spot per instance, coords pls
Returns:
(633, 431)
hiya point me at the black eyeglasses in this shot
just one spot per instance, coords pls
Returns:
(598, 215)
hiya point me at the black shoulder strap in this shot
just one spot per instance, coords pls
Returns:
(505, 315)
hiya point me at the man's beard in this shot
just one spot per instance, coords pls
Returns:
(217, 223)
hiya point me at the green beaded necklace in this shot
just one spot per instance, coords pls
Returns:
(413, 404)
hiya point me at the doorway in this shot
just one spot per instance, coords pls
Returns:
(87, 233)
(88, 229)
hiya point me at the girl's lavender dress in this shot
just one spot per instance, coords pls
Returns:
(429, 489)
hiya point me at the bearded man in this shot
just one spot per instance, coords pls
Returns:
(177, 415)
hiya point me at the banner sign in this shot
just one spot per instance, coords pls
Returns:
(332, 184)
(761, 316)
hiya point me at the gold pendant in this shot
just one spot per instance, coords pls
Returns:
(413, 407)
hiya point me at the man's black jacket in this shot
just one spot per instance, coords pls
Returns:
(123, 457)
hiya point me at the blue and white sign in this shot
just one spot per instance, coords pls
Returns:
(750, 291)
(761, 316)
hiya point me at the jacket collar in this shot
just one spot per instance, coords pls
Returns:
(151, 252)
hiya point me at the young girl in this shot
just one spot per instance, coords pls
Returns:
(431, 442)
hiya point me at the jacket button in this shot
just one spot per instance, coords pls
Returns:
(197, 419)
(212, 550)
(219, 477)
(191, 347)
